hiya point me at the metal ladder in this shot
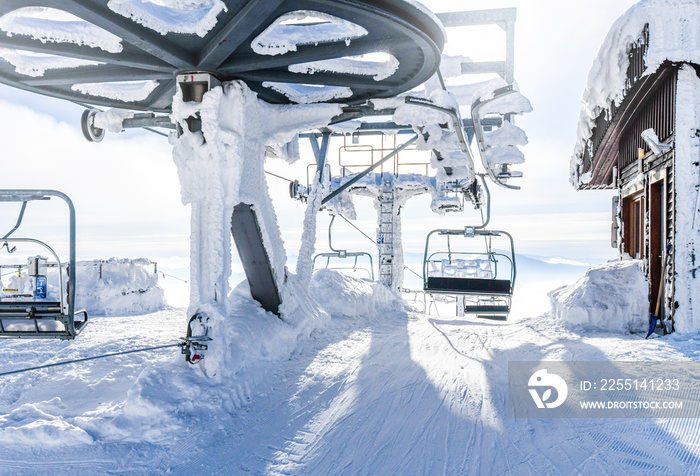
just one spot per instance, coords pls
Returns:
(386, 235)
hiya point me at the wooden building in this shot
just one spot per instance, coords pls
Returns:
(657, 178)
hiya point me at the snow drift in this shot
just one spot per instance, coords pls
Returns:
(113, 287)
(340, 294)
(118, 287)
(613, 296)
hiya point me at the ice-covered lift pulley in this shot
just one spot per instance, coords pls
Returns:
(228, 50)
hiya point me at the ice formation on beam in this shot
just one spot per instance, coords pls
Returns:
(221, 166)
(379, 65)
(36, 64)
(673, 36)
(309, 93)
(506, 135)
(195, 17)
(51, 25)
(119, 91)
(304, 27)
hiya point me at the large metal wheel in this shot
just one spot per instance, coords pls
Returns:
(396, 27)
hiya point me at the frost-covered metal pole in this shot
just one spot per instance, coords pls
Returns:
(220, 154)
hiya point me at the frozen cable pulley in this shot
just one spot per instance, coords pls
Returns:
(87, 124)
(195, 344)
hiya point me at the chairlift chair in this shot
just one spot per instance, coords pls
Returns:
(355, 256)
(31, 316)
(483, 281)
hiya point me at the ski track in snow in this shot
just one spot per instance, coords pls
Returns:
(402, 393)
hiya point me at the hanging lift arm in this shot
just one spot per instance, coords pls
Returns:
(479, 133)
(456, 118)
(457, 124)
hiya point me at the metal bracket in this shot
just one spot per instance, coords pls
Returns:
(193, 347)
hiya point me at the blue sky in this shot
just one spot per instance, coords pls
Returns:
(126, 189)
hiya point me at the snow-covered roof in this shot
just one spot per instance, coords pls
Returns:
(673, 27)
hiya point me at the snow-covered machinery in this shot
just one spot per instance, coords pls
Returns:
(232, 78)
(34, 308)
(235, 79)
(431, 123)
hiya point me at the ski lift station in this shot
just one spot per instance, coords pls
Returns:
(370, 276)
(238, 85)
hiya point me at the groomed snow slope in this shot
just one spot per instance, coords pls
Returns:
(382, 392)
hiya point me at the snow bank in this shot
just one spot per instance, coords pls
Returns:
(118, 287)
(165, 399)
(673, 27)
(613, 296)
(343, 295)
(41, 424)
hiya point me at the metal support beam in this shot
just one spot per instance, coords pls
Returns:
(96, 75)
(134, 60)
(485, 67)
(321, 153)
(138, 36)
(478, 17)
(359, 176)
(510, 52)
(504, 18)
(236, 31)
(378, 128)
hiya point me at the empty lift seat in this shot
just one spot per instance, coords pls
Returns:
(473, 286)
(37, 319)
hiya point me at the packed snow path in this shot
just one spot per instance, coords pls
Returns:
(401, 393)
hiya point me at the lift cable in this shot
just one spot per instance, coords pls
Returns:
(406, 267)
(66, 362)
(355, 227)
(170, 275)
(279, 177)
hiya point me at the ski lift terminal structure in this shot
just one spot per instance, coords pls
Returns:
(193, 63)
